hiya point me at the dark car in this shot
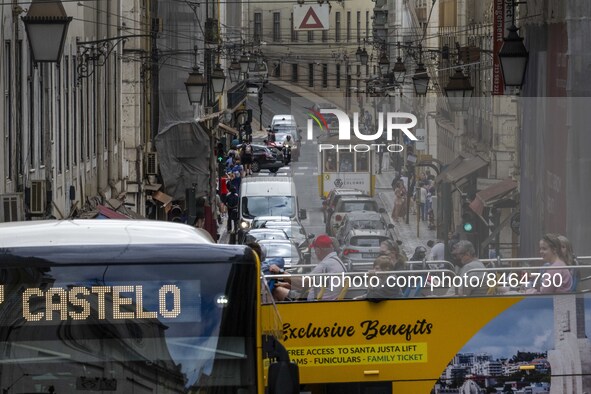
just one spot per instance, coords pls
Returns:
(264, 158)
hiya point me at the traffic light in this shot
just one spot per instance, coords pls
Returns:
(469, 219)
(260, 97)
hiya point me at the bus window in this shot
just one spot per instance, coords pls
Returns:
(362, 162)
(346, 162)
(330, 161)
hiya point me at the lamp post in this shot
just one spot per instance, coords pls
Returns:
(195, 86)
(459, 91)
(234, 71)
(420, 80)
(399, 70)
(46, 24)
(513, 58)
(384, 64)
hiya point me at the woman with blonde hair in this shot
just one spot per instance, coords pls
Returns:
(567, 251)
(556, 277)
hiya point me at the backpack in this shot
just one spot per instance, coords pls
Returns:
(232, 201)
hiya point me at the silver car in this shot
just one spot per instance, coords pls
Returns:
(363, 220)
(282, 248)
(259, 234)
(361, 248)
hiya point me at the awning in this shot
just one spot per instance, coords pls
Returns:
(493, 194)
(164, 198)
(461, 167)
(228, 129)
(108, 213)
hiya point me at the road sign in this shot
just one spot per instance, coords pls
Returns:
(421, 136)
(310, 17)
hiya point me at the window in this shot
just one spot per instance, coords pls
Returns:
(358, 26)
(294, 33)
(18, 73)
(276, 26)
(348, 26)
(258, 26)
(325, 75)
(338, 76)
(310, 36)
(74, 111)
(311, 75)
(59, 131)
(31, 114)
(8, 109)
(337, 26)
(367, 25)
(324, 35)
(294, 73)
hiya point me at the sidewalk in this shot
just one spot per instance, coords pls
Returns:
(407, 233)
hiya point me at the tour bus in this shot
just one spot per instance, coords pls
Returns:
(133, 307)
(434, 341)
(345, 164)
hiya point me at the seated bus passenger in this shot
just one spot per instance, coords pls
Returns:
(465, 257)
(385, 289)
(555, 277)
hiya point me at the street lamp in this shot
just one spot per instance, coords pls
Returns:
(195, 85)
(399, 70)
(218, 79)
(384, 63)
(243, 63)
(364, 57)
(234, 70)
(513, 57)
(420, 80)
(459, 91)
(358, 54)
(252, 62)
(46, 24)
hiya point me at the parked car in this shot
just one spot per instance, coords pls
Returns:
(363, 220)
(331, 199)
(350, 204)
(361, 247)
(282, 248)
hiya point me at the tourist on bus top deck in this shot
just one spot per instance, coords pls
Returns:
(394, 253)
(465, 258)
(555, 277)
(383, 289)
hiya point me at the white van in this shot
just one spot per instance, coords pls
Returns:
(268, 196)
(288, 120)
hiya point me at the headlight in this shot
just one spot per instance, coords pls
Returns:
(244, 225)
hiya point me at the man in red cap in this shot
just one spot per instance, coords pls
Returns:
(329, 263)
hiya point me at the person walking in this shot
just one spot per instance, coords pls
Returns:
(232, 202)
(246, 157)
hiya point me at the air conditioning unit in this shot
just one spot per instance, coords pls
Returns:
(11, 207)
(151, 163)
(37, 197)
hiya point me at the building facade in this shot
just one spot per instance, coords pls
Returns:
(74, 133)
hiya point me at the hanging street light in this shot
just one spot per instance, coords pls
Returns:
(459, 91)
(195, 85)
(218, 79)
(384, 63)
(399, 70)
(46, 24)
(234, 71)
(513, 57)
(243, 63)
(420, 80)
(252, 62)
(364, 57)
(358, 54)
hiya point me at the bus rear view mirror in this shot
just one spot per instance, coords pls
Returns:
(284, 378)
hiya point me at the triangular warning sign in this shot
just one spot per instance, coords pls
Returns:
(307, 25)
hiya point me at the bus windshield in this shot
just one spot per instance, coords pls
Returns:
(254, 206)
(123, 328)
